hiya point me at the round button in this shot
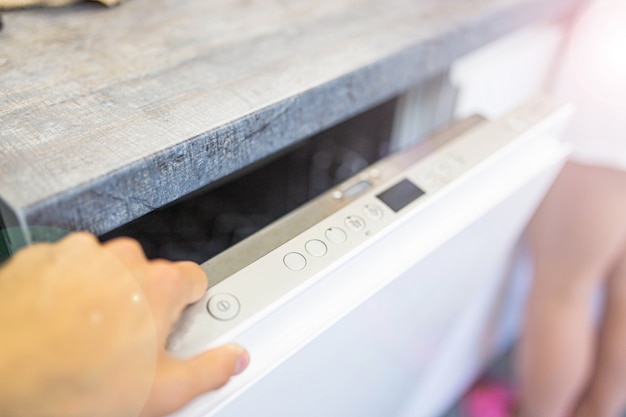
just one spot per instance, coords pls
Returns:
(316, 248)
(443, 167)
(431, 179)
(336, 235)
(355, 223)
(455, 159)
(223, 306)
(373, 211)
(294, 261)
(427, 177)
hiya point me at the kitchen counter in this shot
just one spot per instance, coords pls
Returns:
(108, 114)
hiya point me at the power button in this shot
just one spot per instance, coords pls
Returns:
(223, 307)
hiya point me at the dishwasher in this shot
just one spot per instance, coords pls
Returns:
(386, 294)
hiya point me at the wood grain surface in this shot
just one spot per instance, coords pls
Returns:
(109, 113)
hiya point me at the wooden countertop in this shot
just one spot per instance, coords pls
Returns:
(107, 114)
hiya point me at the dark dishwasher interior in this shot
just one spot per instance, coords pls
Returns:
(201, 226)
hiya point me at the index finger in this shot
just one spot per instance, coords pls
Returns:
(197, 279)
(171, 286)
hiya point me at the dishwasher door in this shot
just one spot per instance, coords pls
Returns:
(399, 316)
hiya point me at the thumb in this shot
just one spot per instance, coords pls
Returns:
(179, 381)
(212, 369)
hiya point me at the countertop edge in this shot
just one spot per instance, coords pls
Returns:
(206, 158)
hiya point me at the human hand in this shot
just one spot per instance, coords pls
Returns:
(83, 328)
(567, 365)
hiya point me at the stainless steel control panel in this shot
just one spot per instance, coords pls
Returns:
(256, 277)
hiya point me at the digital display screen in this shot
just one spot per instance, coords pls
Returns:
(400, 195)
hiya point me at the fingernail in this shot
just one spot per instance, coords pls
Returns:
(242, 362)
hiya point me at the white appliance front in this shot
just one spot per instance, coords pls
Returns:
(398, 321)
